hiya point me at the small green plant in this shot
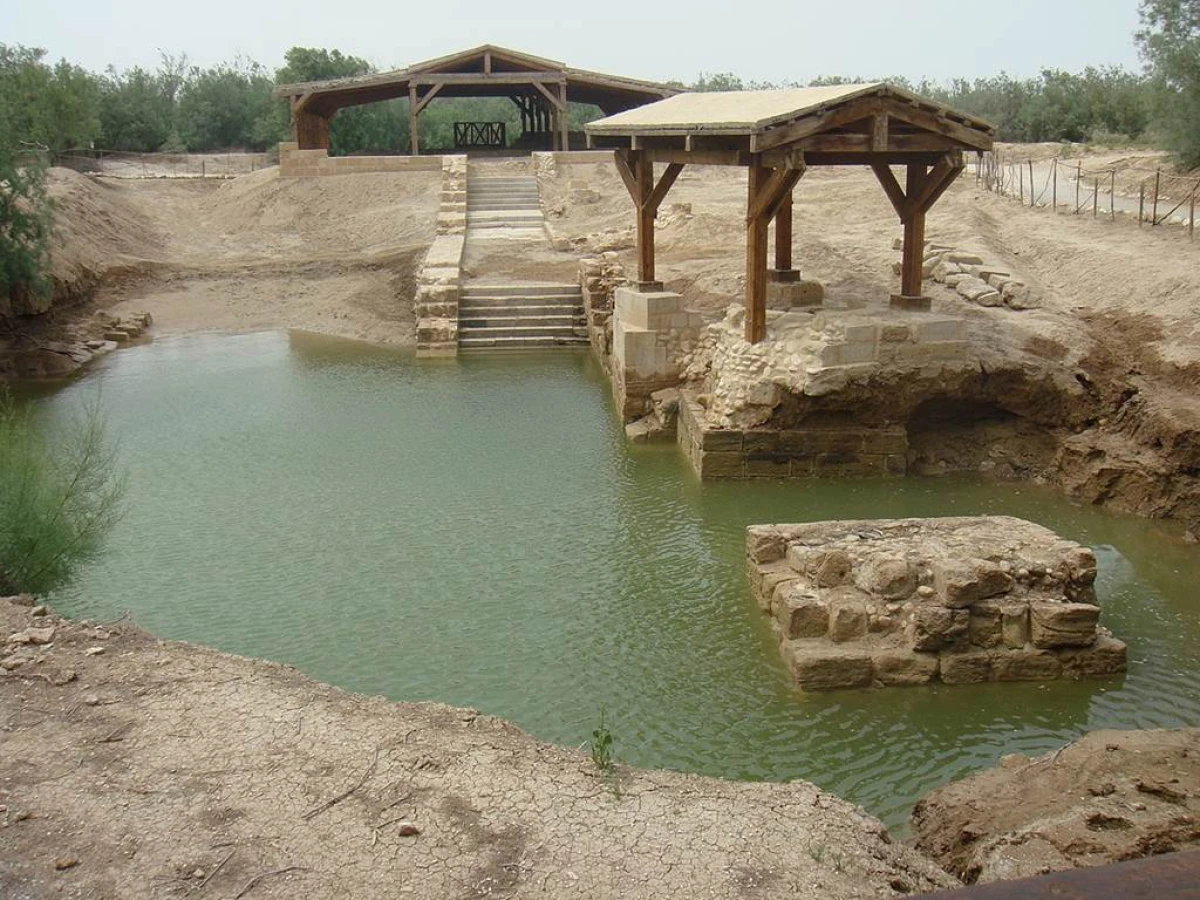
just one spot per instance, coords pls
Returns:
(602, 747)
(817, 852)
(58, 499)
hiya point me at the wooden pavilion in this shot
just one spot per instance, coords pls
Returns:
(541, 89)
(778, 134)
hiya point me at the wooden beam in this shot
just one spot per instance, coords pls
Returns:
(425, 100)
(756, 256)
(484, 78)
(879, 132)
(891, 187)
(298, 103)
(699, 157)
(936, 183)
(664, 184)
(487, 62)
(814, 123)
(771, 191)
(913, 115)
(414, 140)
(625, 170)
(546, 93)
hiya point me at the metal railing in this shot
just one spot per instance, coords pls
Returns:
(469, 135)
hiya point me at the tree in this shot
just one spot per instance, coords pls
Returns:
(1169, 41)
(55, 107)
(137, 110)
(220, 108)
(57, 501)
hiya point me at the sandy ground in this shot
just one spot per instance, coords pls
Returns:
(133, 768)
(335, 255)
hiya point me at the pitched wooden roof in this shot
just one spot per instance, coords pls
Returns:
(487, 70)
(841, 117)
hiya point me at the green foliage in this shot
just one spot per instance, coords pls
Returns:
(25, 223)
(57, 502)
(137, 109)
(54, 107)
(602, 747)
(1169, 41)
(224, 107)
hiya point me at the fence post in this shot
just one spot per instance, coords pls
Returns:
(1021, 171)
(1096, 198)
(1054, 190)
(1154, 214)
(1078, 179)
(1192, 217)
(1141, 202)
(202, 172)
(1032, 200)
(1112, 195)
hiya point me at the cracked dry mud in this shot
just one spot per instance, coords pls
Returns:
(164, 770)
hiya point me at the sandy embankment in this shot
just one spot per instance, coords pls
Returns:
(137, 768)
(336, 256)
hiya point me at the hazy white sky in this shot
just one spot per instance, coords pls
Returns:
(771, 40)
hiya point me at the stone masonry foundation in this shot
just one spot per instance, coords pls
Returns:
(881, 603)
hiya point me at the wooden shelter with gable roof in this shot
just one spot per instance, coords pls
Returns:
(541, 89)
(778, 134)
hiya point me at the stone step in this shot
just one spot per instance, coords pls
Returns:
(568, 320)
(481, 290)
(500, 218)
(521, 306)
(498, 180)
(519, 343)
(502, 331)
(531, 205)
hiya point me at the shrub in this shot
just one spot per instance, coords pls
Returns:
(57, 501)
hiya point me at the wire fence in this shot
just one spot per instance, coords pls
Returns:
(121, 164)
(1163, 198)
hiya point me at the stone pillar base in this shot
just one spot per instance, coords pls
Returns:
(912, 304)
(794, 294)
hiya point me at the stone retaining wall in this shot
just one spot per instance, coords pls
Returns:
(436, 303)
(294, 162)
(649, 330)
(825, 452)
(879, 603)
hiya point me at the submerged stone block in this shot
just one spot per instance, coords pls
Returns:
(908, 601)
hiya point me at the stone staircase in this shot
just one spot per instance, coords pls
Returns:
(520, 316)
(509, 201)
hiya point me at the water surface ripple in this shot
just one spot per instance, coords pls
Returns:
(477, 532)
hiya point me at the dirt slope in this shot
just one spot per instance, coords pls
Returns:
(163, 770)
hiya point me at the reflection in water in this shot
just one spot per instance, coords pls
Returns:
(477, 532)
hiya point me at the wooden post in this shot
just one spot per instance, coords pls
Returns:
(1112, 195)
(1154, 213)
(783, 235)
(1096, 198)
(914, 236)
(1192, 215)
(1054, 190)
(564, 123)
(1141, 203)
(1078, 181)
(1032, 201)
(1022, 182)
(756, 257)
(637, 171)
(414, 141)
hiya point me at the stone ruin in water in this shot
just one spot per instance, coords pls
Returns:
(910, 601)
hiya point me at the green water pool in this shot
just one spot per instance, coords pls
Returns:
(478, 532)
